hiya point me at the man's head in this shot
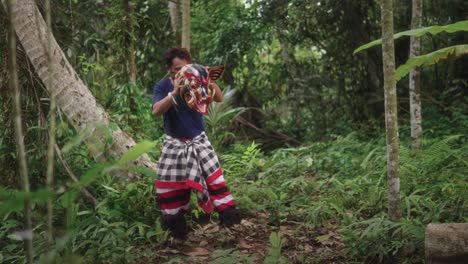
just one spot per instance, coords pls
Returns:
(176, 58)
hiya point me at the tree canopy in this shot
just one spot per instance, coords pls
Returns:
(301, 134)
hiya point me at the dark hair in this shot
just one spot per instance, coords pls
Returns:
(181, 53)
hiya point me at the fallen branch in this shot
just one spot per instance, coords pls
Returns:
(83, 190)
(446, 243)
(273, 134)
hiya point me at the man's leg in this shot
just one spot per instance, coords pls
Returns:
(174, 203)
(222, 199)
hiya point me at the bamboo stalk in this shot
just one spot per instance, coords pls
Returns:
(23, 169)
(52, 125)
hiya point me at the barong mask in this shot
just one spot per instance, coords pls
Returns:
(195, 85)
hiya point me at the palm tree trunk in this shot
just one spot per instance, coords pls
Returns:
(23, 169)
(414, 79)
(73, 97)
(391, 118)
(186, 24)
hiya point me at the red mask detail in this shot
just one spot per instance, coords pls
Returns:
(195, 88)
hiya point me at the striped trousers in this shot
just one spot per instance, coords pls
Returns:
(176, 200)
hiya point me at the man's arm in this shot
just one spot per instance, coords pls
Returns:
(160, 107)
(218, 97)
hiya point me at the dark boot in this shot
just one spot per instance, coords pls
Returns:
(229, 217)
(203, 219)
(176, 225)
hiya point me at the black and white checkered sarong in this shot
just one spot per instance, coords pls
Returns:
(189, 162)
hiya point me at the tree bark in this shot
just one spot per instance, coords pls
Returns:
(73, 97)
(285, 53)
(391, 118)
(186, 25)
(414, 79)
(23, 169)
(446, 243)
(173, 7)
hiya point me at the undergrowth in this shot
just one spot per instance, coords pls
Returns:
(342, 184)
(339, 185)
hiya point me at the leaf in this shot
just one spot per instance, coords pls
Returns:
(67, 198)
(106, 131)
(91, 175)
(15, 236)
(243, 244)
(431, 58)
(136, 151)
(196, 252)
(322, 238)
(13, 200)
(110, 188)
(434, 30)
(142, 170)
(76, 140)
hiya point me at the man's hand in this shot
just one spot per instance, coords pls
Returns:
(163, 105)
(218, 94)
(176, 84)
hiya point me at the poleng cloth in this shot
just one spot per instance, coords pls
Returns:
(190, 164)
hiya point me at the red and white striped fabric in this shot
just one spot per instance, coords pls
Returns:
(190, 165)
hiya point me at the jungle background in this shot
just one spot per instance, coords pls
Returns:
(301, 135)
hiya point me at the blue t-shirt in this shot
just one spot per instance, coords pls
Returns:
(179, 121)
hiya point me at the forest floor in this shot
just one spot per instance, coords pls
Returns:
(250, 242)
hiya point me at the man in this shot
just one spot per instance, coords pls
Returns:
(188, 161)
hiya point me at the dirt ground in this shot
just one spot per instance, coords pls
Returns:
(250, 242)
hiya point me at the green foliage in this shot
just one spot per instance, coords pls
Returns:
(344, 182)
(231, 257)
(125, 218)
(381, 240)
(289, 63)
(430, 58)
(13, 201)
(135, 152)
(220, 117)
(125, 214)
(418, 32)
(274, 252)
(339, 184)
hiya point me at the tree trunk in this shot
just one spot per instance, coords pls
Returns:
(131, 64)
(414, 79)
(51, 128)
(186, 24)
(73, 97)
(285, 53)
(391, 118)
(173, 7)
(130, 54)
(23, 169)
(446, 243)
